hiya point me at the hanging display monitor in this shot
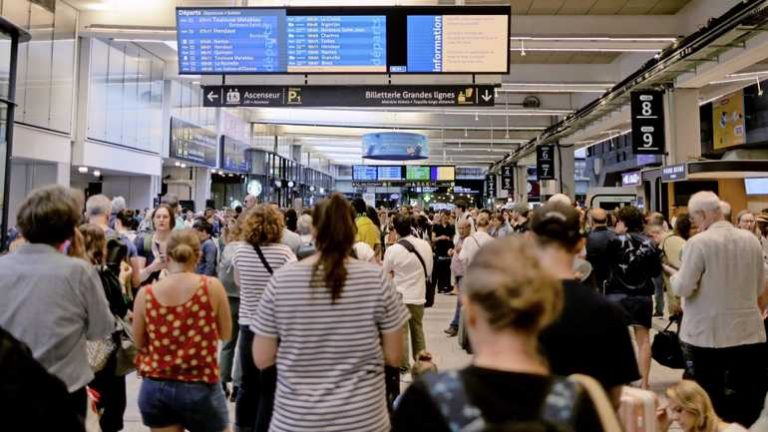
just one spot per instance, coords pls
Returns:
(390, 173)
(193, 143)
(245, 40)
(364, 173)
(442, 173)
(417, 173)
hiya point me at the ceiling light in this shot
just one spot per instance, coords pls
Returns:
(82, 170)
(177, 163)
(522, 48)
(183, 165)
(97, 173)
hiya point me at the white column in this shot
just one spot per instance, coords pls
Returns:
(202, 187)
(683, 128)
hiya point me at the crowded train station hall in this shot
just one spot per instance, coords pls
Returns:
(383, 215)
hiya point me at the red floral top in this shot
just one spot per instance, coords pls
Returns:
(183, 340)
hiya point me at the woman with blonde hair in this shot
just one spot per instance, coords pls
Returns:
(177, 325)
(690, 406)
(508, 299)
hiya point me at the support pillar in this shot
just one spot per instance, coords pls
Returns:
(565, 176)
(202, 187)
(521, 184)
(683, 128)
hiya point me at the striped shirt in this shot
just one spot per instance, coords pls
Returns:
(254, 276)
(330, 362)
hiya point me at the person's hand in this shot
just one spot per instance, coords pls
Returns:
(675, 309)
(663, 420)
(450, 252)
(157, 265)
(125, 272)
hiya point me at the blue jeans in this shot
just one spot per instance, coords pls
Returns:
(195, 406)
(456, 316)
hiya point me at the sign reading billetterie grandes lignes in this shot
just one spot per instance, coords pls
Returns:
(347, 96)
(648, 122)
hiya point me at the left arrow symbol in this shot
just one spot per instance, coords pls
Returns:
(212, 96)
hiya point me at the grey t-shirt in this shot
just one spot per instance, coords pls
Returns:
(292, 240)
(53, 303)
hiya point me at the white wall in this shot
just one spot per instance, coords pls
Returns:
(26, 176)
(137, 190)
(31, 143)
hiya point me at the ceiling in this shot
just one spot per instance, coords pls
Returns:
(596, 7)
(574, 51)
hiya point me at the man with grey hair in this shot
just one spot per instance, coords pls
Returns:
(720, 280)
(249, 201)
(560, 198)
(726, 209)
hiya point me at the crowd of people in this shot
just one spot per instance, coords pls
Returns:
(307, 320)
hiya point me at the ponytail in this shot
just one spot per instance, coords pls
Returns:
(336, 232)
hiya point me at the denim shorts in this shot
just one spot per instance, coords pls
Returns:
(198, 407)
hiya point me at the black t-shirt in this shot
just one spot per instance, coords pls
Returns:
(442, 246)
(590, 338)
(500, 396)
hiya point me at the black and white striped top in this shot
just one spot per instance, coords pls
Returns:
(254, 276)
(330, 362)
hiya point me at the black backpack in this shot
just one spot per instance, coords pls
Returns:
(637, 263)
(558, 412)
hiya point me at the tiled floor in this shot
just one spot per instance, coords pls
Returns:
(445, 350)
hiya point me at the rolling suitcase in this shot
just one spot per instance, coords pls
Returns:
(638, 410)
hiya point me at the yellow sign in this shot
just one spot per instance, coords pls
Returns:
(728, 121)
(466, 96)
(294, 96)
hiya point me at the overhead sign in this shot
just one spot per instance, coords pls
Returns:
(385, 39)
(633, 178)
(545, 162)
(234, 156)
(507, 178)
(728, 121)
(648, 122)
(395, 146)
(490, 186)
(193, 143)
(348, 96)
(672, 173)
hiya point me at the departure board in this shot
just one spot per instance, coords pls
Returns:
(246, 40)
(337, 44)
(390, 173)
(417, 173)
(363, 173)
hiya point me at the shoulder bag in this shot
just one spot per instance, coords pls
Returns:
(430, 288)
(666, 348)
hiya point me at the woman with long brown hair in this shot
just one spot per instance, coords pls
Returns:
(338, 320)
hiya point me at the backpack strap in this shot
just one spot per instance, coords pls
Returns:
(450, 396)
(410, 248)
(263, 259)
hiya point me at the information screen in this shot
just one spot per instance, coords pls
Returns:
(442, 173)
(241, 40)
(364, 173)
(756, 186)
(417, 173)
(390, 173)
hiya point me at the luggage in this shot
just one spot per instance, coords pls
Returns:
(637, 412)
(666, 348)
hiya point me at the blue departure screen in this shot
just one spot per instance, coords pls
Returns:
(230, 40)
(243, 40)
(425, 43)
(337, 43)
(363, 173)
(390, 173)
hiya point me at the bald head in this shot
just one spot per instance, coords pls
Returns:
(598, 216)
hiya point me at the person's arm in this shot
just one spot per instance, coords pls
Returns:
(220, 304)
(264, 351)
(390, 320)
(264, 327)
(100, 322)
(686, 281)
(139, 321)
(388, 263)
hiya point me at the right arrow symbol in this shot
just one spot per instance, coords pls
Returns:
(212, 96)
(487, 96)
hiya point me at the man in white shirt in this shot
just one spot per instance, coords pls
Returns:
(474, 242)
(720, 279)
(409, 272)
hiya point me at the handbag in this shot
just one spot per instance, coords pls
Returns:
(99, 352)
(666, 348)
(126, 350)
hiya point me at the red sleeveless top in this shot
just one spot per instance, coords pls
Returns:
(183, 340)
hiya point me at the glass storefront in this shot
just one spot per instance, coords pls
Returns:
(10, 37)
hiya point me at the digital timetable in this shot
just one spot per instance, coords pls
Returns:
(244, 40)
